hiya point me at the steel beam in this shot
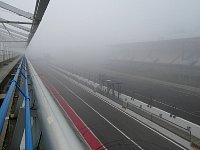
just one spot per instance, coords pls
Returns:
(17, 25)
(6, 29)
(13, 41)
(15, 31)
(9, 43)
(16, 10)
(15, 22)
(40, 9)
(13, 35)
(5, 36)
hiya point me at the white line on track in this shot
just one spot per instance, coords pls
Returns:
(180, 146)
(100, 115)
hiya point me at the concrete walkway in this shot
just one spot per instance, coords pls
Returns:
(5, 69)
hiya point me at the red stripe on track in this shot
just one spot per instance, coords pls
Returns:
(87, 134)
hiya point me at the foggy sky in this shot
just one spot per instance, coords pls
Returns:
(84, 26)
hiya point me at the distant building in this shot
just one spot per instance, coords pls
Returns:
(174, 51)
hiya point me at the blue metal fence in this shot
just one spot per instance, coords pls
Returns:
(7, 99)
(22, 69)
(28, 132)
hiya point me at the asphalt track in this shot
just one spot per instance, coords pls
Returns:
(113, 128)
(185, 101)
(166, 97)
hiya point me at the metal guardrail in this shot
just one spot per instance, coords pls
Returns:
(22, 69)
(56, 130)
(7, 99)
(28, 132)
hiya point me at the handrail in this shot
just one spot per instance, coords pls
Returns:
(7, 99)
(28, 132)
(22, 69)
(56, 130)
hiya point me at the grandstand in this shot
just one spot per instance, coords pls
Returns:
(184, 51)
(174, 60)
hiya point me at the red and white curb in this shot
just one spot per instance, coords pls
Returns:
(93, 142)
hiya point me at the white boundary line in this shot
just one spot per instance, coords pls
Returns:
(78, 84)
(103, 147)
(100, 115)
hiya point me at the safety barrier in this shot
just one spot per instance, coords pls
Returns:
(28, 133)
(21, 70)
(7, 99)
(56, 130)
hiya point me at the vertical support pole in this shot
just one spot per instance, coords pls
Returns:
(113, 89)
(12, 55)
(119, 90)
(3, 55)
(8, 56)
(1, 49)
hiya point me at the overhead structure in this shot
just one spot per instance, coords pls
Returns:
(14, 31)
(21, 31)
(40, 9)
(16, 10)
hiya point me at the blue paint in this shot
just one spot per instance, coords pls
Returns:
(22, 69)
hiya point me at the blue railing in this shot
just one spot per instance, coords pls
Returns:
(28, 132)
(22, 69)
(7, 99)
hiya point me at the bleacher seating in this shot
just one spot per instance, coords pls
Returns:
(184, 51)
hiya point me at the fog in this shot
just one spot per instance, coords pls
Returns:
(89, 30)
(146, 50)
(140, 56)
